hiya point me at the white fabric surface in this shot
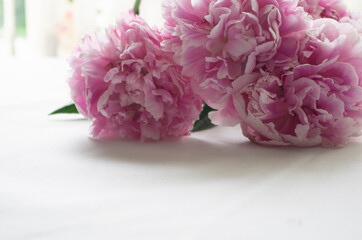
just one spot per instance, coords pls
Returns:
(57, 184)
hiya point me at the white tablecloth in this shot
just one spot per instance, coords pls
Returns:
(56, 183)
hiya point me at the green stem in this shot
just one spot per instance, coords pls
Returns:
(136, 8)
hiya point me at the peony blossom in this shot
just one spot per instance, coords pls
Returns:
(129, 86)
(318, 102)
(219, 41)
(287, 71)
(334, 9)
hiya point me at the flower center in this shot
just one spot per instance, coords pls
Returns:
(330, 13)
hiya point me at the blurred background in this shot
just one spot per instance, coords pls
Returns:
(51, 28)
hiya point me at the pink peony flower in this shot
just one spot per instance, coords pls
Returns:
(318, 102)
(219, 41)
(129, 86)
(335, 9)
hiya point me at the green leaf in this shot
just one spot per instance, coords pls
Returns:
(69, 109)
(136, 8)
(204, 121)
